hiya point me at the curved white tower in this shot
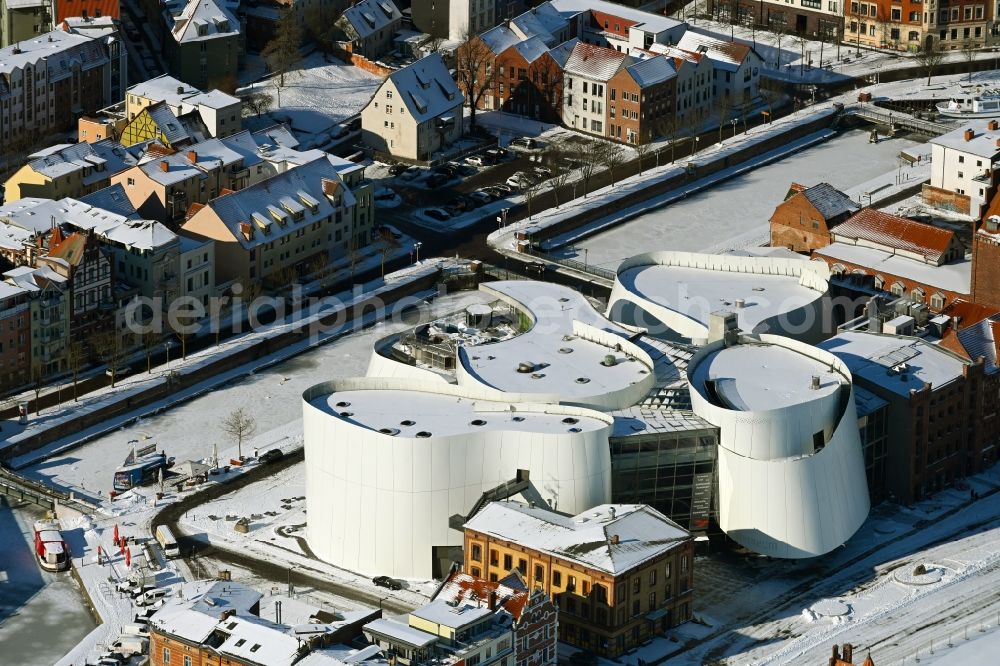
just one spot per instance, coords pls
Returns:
(389, 461)
(791, 469)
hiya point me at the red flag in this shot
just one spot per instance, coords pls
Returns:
(121, 547)
(116, 534)
(128, 557)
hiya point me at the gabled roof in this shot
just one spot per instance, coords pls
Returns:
(725, 55)
(70, 249)
(543, 21)
(204, 19)
(500, 38)
(984, 142)
(369, 16)
(170, 126)
(651, 71)
(265, 206)
(642, 20)
(828, 200)
(613, 538)
(57, 51)
(981, 339)
(427, 89)
(112, 199)
(531, 49)
(509, 593)
(103, 159)
(891, 231)
(560, 54)
(595, 62)
(34, 279)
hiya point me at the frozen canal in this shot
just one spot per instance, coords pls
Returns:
(42, 615)
(273, 396)
(736, 213)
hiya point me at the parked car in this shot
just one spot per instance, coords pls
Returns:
(501, 190)
(545, 172)
(399, 169)
(536, 267)
(445, 169)
(525, 142)
(151, 597)
(136, 629)
(476, 160)
(273, 455)
(122, 371)
(385, 581)
(437, 180)
(515, 181)
(481, 196)
(129, 645)
(140, 590)
(437, 214)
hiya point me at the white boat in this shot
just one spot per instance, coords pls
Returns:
(986, 105)
(50, 549)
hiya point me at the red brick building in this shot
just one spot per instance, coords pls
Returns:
(15, 336)
(639, 96)
(986, 258)
(909, 259)
(802, 222)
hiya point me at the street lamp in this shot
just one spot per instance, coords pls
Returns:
(733, 121)
(416, 247)
(166, 347)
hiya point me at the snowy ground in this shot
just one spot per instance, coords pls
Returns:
(189, 430)
(317, 96)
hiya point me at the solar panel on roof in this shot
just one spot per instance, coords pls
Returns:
(895, 355)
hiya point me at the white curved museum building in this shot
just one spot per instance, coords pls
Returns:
(389, 461)
(678, 291)
(791, 470)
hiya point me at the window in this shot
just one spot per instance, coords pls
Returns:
(937, 301)
(477, 552)
(636, 585)
(652, 600)
(684, 564)
(508, 562)
(539, 573)
(636, 608)
(494, 558)
(622, 591)
(187, 660)
(522, 566)
(666, 573)
(571, 583)
(556, 579)
(652, 577)
(166, 655)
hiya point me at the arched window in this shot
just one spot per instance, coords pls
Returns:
(937, 301)
(897, 289)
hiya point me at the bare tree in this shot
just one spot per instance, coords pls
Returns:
(928, 58)
(612, 155)
(801, 41)
(109, 349)
(560, 177)
(37, 384)
(722, 112)
(475, 70)
(257, 103)
(530, 189)
(239, 425)
(585, 158)
(150, 341)
(969, 50)
(668, 127)
(321, 26)
(282, 52)
(779, 30)
(75, 356)
(641, 150)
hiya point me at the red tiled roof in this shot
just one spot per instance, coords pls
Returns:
(94, 8)
(70, 249)
(968, 312)
(463, 587)
(896, 232)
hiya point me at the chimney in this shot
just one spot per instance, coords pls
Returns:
(969, 134)
(998, 140)
(848, 652)
(493, 599)
(614, 539)
(246, 230)
(180, 90)
(815, 383)
(193, 156)
(164, 165)
(835, 655)
(993, 125)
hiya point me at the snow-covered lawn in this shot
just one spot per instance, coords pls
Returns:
(317, 96)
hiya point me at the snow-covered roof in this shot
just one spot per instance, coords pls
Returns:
(724, 54)
(369, 16)
(531, 49)
(510, 594)
(276, 135)
(253, 640)
(7, 290)
(264, 205)
(177, 93)
(409, 414)
(112, 199)
(95, 161)
(171, 169)
(543, 21)
(500, 38)
(981, 339)
(57, 51)
(652, 71)
(896, 363)
(402, 633)
(427, 89)
(829, 201)
(642, 532)
(204, 19)
(648, 419)
(646, 21)
(562, 52)
(367, 656)
(170, 125)
(743, 377)
(887, 231)
(597, 63)
(566, 364)
(984, 142)
(193, 610)
(13, 237)
(955, 276)
(100, 26)
(455, 616)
